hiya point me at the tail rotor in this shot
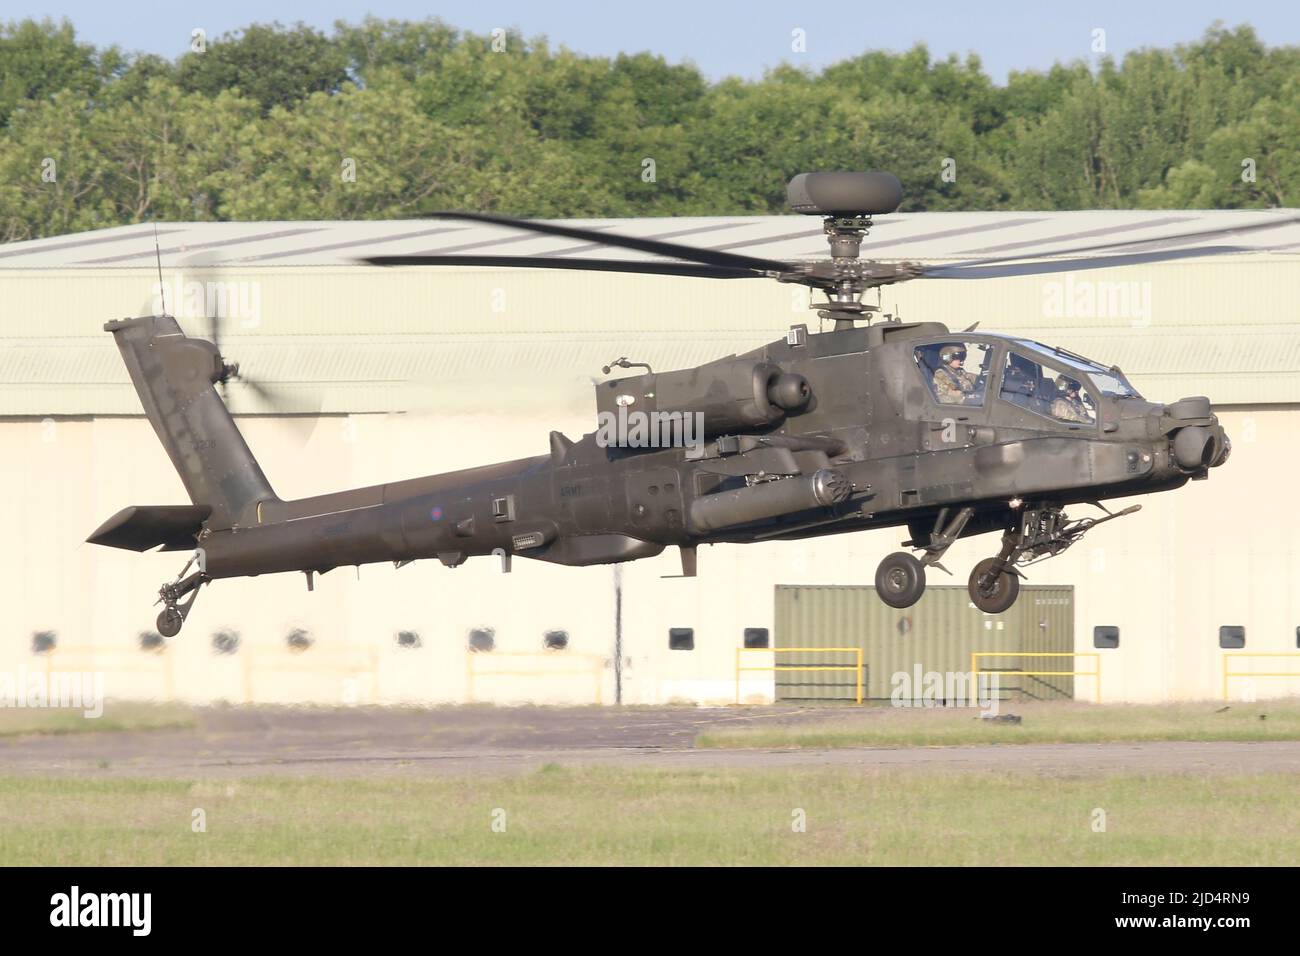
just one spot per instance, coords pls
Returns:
(248, 393)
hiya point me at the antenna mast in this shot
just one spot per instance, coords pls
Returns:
(162, 290)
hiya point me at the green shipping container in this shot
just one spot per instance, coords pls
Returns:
(903, 650)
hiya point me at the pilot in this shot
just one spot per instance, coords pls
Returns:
(953, 384)
(1068, 406)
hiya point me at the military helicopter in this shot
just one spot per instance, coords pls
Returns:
(867, 425)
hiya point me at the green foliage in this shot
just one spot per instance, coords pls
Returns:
(391, 118)
(273, 65)
(39, 59)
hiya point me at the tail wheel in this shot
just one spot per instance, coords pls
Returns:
(996, 596)
(900, 580)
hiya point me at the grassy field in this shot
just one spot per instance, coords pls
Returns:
(116, 716)
(1056, 722)
(561, 815)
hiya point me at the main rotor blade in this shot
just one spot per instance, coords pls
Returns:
(976, 270)
(587, 265)
(656, 247)
(1274, 223)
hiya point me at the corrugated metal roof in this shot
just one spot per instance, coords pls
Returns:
(929, 236)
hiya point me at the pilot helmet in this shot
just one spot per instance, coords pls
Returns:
(950, 352)
(1066, 384)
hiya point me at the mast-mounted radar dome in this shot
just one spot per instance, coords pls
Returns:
(844, 193)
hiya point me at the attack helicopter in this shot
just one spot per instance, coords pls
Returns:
(866, 425)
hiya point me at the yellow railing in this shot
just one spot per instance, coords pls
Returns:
(254, 662)
(346, 662)
(127, 660)
(1094, 673)
(595, 668)
(1227, 673)
(857, 667)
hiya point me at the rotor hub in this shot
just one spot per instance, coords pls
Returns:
(845, 234)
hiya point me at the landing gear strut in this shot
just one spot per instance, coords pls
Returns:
(1042, 532)
(170, 595)
(945, 532)
(900, 579)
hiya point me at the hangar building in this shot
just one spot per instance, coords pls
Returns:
(367, 375)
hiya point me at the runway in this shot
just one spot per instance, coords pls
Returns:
(483, 740)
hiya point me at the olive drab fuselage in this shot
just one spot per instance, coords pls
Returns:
(872, 427)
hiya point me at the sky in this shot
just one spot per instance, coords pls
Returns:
(722, 37)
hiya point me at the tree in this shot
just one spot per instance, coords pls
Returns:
(273, 65)
(169, 154)
(1252, 163)
(40, 59)
(396, 118)
(358, 154)
(51, 174)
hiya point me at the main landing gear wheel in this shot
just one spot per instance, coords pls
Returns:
(993, 597)
(169, 622)
(900, 580)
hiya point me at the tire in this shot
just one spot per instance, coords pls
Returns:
(900, 580)
(169, 622)
(1004, 593)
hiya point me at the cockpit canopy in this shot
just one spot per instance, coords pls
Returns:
(1110, 383)
(1048, 381)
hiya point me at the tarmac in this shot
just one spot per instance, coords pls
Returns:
(458, 741)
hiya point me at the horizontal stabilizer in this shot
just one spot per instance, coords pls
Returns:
(143, 527)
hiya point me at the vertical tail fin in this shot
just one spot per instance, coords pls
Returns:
(174, 376)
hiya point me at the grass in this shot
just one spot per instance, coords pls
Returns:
(116, 716)
(562, 815)
(1056, 722)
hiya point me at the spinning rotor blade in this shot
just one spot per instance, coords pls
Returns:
(585, 265)
(656, 247)
(274, 396)
(246, 393)
(941, 272)
(296, 414)
(206, 263)
(845, 274)
(977, 270)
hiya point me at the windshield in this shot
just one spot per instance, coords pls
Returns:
(1111, 384)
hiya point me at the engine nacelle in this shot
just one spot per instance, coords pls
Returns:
(730, 395)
